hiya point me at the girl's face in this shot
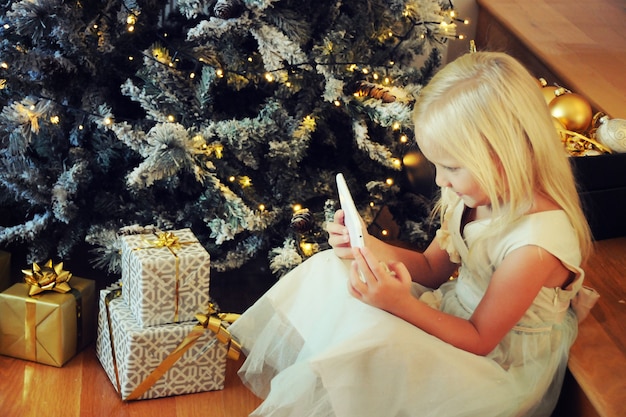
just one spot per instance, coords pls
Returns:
(451, 173)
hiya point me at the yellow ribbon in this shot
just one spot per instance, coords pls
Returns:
(170, 241)
(218, 323)
(47, 278)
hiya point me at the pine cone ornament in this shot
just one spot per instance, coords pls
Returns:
(228, 9)
(302, 221)
(375, 91)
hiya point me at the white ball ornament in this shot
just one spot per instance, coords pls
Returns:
(612, 133)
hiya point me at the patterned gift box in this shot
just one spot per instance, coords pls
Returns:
(50, 327)
(165, 276)
(5, 270)
(157, 361)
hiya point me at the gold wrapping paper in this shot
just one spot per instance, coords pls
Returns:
(5, 270)
(48, 328)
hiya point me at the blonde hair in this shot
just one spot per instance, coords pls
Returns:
(487, 111)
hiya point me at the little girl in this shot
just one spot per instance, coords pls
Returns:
(408, 340)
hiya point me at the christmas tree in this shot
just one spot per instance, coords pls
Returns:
(230, 117)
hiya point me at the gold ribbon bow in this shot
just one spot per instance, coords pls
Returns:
(47, 278)
(218, 323)
(166, 240)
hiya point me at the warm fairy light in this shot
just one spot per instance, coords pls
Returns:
(95, 26)
(384, 232)
(375, 76)
(220, 72)
(372, 204)
(81, 127)
(131, 19)
(352, 67)
(307, 248)
(365, 71)
(55, 120)
(390, 33)
(337, 103)
(3, 83)
(4, 65)
(404, 139)
(245, 181)
(452, 13)
(261, 207)
(391, 63)
(296, 207)
(466, 22)
(232, 178)
(461, 36)
(171, 118)
(395, 125)
(288, 84)
(165, 35)
(192, 75)
(386, 80)
(269, 77)
(249, 59)
(32, 107)
(6, 26)
(108, 121)
(130, 28)
(389, 181)
(171, 64)
(396, 162)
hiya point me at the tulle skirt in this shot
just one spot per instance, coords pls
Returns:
(313, 350)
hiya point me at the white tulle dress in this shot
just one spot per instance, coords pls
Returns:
(314, 350)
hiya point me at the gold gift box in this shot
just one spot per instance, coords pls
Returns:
(5, 270)
(48, 328)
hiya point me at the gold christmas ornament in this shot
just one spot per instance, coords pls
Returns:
(548, 91)
(612, 133)
(571, 109)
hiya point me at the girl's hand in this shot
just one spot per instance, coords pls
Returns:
(338, 236)
(382, 285)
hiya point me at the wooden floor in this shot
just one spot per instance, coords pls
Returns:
(82, 389)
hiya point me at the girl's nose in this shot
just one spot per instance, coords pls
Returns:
(441, 179)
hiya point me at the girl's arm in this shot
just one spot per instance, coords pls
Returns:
(514, 286)
(430, 268)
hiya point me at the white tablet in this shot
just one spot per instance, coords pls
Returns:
(352, 218)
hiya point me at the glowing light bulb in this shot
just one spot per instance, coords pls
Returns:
(262, 207)
(108, 121)
(404, 138)
(81, 127)
(55, 120)
(389, 181)
(4, 65)
(232, 178)
(395, 125)
(269, 77)
(220, 72)
(192, 75)
(171, 118)
(297, 207)
(337, 103)
(384, 232)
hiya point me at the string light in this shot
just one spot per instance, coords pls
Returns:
(404, 138)
(55, 120)
(395, 126)
(232, 178)
(6, 26)
(396, 162)
(389, 181)
(108, 121)
(171, 118)
(4, 65)
(337, 103)
(261, 207)
(269, 77)
(219, 72)
(192, 75)
(81, 127)
(384, 232)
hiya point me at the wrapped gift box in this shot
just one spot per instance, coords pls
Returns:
(157, 361)
(165, 283)
(5, 270)
(602, 183)
(48, 328)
